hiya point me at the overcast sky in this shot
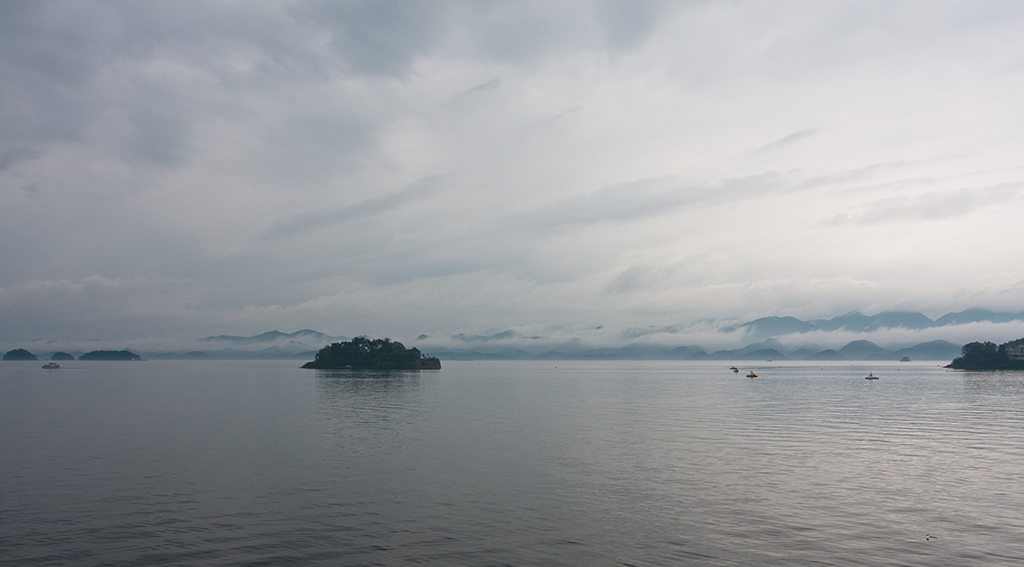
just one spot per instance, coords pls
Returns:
(172, 170)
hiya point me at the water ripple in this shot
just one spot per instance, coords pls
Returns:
(503, 463)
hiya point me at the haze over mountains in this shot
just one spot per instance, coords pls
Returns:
(770, 350)
(889, 335)
(851, 336)
(303, 337)
(804, 337)
(860, 323)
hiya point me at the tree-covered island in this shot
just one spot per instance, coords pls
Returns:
(110, 355)
(987, 356)
(20, 354)
(372, 354)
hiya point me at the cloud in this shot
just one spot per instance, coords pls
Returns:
(422, 189)
(637, 200)
(482, 87)
(16, 155)
(463, 168)
(933, 206)
(99, 308)
(562, 115)
(628, 24)
(374, 37)
(795, 137)
(633, 278)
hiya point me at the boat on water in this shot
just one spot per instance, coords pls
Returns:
(51, 366)
(751, 375)
(871, 376)
(734, 370)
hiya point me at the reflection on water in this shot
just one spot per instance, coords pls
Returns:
(999, 383)
(372, 402)
(511, 463)
(347, 382)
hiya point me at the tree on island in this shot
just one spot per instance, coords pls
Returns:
(372, 354)
(110, 355)
(19, 354)
(987, 356)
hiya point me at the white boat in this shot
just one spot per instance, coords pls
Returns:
(51, 366)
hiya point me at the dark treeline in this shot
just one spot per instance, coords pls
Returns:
(110, 355)
(19, 354)
(375, 354)
(987, 356)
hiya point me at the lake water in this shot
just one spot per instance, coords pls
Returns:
(510, 463)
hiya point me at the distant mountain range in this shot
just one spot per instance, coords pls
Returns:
(767, 327)
(766, 350)
(276, 345)
(511, 345)
(483, 347)
(305, 336)
(271, 353)
(769, 349)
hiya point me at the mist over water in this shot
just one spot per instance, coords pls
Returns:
(510, 463)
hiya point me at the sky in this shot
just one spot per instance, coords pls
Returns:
(174, 170)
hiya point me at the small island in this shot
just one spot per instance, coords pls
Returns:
(61, 356)
(19, 354)
(987, 356)
(362, 353)
(110, 355)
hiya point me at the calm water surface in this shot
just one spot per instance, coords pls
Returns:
(510, 463)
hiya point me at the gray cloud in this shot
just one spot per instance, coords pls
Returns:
(375, 37)
(933, 205)
(159, 137)
(637, 200)
(284, 159)
(485, 86)
(422, 189)
(628, 23)
(564, 114)
(795, 137)
(472, 92)
(635, 278)
(13, 156)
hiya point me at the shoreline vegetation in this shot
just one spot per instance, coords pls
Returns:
(385, 354)
(19, 354)
(22, 354)
(764, 350)
(362, 353)
(110, 355)
(987, 356)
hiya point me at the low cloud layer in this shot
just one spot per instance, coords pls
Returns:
(182, 170)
